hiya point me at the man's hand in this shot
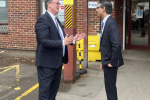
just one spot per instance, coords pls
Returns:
(79, 36)
(101, 67)
(109, 65)
(68, 40)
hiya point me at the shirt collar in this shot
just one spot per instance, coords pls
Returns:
(105, 19)
(51, 15)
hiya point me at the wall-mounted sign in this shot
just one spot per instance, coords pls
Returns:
(95, 4)
(139, 13)
(68, 2)
(2, 3)
(61, 13)
(61, 9)
(92, 4)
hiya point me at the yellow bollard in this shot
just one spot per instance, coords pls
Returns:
(81, 70)
(80, 56)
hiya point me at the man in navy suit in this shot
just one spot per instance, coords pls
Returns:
(110, 47)
(51, 50)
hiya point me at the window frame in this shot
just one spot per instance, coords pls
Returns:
(7, 16)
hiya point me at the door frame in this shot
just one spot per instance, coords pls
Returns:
(129, 31)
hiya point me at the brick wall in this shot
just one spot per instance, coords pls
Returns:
(22, 15)
(80, 16)
(94, 21)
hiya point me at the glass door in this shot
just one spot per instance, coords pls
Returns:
(137, 36)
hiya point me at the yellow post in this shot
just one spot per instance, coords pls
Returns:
(80, 56)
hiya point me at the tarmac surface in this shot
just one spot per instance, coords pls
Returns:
(18, 78)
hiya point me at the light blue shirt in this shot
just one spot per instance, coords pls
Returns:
(53, 17)
(104, 21)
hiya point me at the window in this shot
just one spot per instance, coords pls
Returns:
(3, 16)
(3, 11)
(61, 10)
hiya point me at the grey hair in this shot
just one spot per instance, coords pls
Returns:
(47, 1)
(107, 5)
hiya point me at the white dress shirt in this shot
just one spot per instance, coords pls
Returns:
(104, 21)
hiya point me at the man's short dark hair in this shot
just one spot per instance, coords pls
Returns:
(107, 5)
(46, 1)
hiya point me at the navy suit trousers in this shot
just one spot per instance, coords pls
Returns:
(110, 77)
(49, 81)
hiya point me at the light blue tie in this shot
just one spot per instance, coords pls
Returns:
(101, 34)
(61, 35)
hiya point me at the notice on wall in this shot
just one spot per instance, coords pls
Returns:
(68, 2)
(92, 4)
(61, 9)
(61, 12)
(2, 3)
(139, 13)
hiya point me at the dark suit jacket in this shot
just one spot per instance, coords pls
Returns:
(110, 44)
(49, 44)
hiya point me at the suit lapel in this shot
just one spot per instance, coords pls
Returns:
(105, 27)
(52, 22)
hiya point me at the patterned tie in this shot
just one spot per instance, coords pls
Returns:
(101, 34)
(61, 35)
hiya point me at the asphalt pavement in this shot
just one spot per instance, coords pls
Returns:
(18, 78)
